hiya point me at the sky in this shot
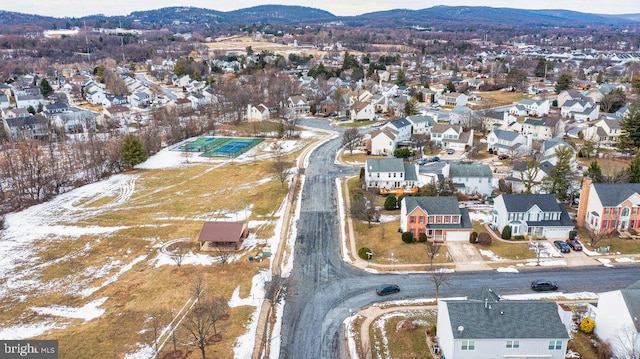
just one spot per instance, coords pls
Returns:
(78, 8)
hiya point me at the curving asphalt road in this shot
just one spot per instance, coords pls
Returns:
(323, 290)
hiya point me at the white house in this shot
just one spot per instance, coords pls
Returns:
(26, 100)
(537, 108)
(604, 131)
(453, 99)
(451, 136)
(537, 215)
(506, 142)
(257, 113)
(299, 104)
(543, 129)
(390, 173)
(362, 111)
(485, 326)
(383, 141)
(461, 115)
(581, 110)
(4, 102)
(472, 178)
(421, 125)
(617, 318)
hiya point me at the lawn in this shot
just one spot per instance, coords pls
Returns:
(356, 123)
(405, 333)
(502, 249)
(609, 165)
(142, 209)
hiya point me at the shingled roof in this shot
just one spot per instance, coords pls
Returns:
(613, 194)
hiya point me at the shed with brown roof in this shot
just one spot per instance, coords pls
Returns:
(223, 235)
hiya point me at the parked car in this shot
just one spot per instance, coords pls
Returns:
(422, 161)
(434, 159)
(503, 157)
(385, 289)
(543, 285)
(574, 244)
(451, 151)
(562, 246)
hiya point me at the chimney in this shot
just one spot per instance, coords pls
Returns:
(584, 200)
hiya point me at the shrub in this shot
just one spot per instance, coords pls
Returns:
(518, 238)
(407, 237)
(587, 325)
(573, 234)
(506, 232)
(484, 239)
(362, 252)
(390, 202)
(474, 237)
(491, 151)
(422, 237)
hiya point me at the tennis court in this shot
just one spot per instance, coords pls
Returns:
(229, 147)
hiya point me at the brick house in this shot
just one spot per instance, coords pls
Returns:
(440, 218)
(606, 207)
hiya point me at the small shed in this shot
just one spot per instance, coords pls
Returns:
(227, 235)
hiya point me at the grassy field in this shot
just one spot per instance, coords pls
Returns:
(406, 341)
(161, 205)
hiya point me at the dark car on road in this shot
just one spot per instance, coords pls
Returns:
(543, 285)
(562, 246)
(434, 159)
(574, 244)
(503, 157)
(387, 289)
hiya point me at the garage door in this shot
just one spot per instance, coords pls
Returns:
(556, 233)
(457, 236)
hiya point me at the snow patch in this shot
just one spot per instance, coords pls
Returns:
(87, 312)
(244, 343)
(492, 256)
(509, 269)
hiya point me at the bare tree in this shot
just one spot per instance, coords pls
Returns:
(363, 207)
(154, 330)
(626, 343)
(178, 255)
(538, 247)
(280, 168)
(200, 323)
(528, 176)
(224, 256)
(432, 248)
(440, 277)
(351, 138)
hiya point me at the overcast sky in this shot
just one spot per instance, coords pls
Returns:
(77, 8)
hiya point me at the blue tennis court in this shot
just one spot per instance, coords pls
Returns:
(233, 148)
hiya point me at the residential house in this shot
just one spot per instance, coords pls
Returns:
(533, 215)
(110, 101)
(299, 104)
(461, 115)
(548, 152)
(383, 141)
(4, 102)
(96, 97)
(607, 207)
(453, 99)
(15, 112)
(26, 127)
(117, 114)
(486, 326)
(74, 120)
(380, 103)
(606, 132)
(197, 100)
(140, 99)
(472, 178)
(391, 175)
(617, 319)
(580, 110)
(257, 113)
(223, 235)
(362, 111)
(403, 126)
(507, 142)
(537, 108)
(440, 218)
(567, 95)
(183, 105)
(421, 124)
(498, 120)
(542, 129)
(29, 100)
(451, 136)
(530, 173)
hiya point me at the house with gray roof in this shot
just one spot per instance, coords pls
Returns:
(461, 115)
(439, 218)
(542, 129)
(506, 142)
(421, 124)
(531, 215)
(487, 326)
(472, 178)
(390, 174)
(606, 131)
(607, 207)
(4, 102)
(451, 136)
(28, 127)
(617, 317)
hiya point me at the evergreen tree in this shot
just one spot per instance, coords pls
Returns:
(450, 87)
(558, 182)
(594, 172)
(401, 78)
(411, 107)
(544, 67)
(564, 82)
(45, 87)
(634, 169)
(133, 152)
(630, 129)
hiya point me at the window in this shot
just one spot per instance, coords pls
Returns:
(512, 344)
(555, 344)
(605, 224)
(606, 210)
(470, 345)
(447, 219)
(430, 219)
(394, 175)
(439, 219)
(412, 219)
(421, 219)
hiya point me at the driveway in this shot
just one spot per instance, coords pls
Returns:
(466, 256)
